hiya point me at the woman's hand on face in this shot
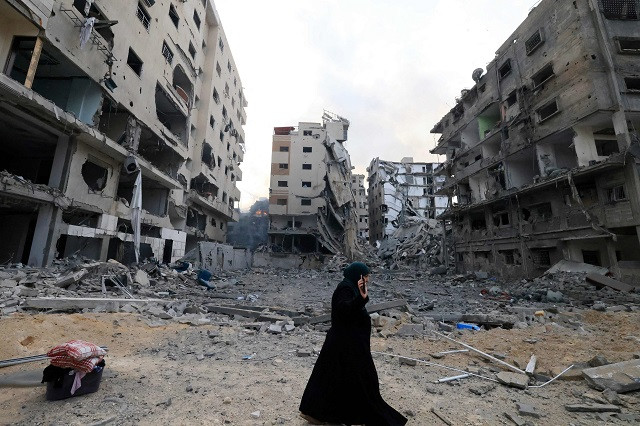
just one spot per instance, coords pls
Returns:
(362, 287)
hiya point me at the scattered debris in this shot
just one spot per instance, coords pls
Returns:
(620, 377)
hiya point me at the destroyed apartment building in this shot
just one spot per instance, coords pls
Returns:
(542, 152)
(121, 129)
(398, 190)
(311, 204)
(362, 205)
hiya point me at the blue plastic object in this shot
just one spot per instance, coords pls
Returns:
(465, 326)
(204, 277)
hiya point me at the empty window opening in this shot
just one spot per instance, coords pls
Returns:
(621, 9)
(155, 197)
(143, 16)
(606, 147)
(478, 222)
(283, 184)
(192, 51)
(281, 201)
(616, 193)
(629, 45)
(196, 220)
(633, 84)
(307, 133)
(306, 166)
(305, 202)
(207, 156)
(283, 166)
(224, 113)
(218, 70)
(512, 98)
(501, 218)
(94, 176)
(533, 42)
(307, 149)
(505, 69)
(284, 149)
(212, 121)
(170, 115)
(592, 257)
(306, 184)
(196, 19)
(221, 45)
(542, 76)
(216, 96)
(173, 15)
(229, 66)
(182, 85)
(541, 257)
(134, 62)
(221, 135)
(167, 53)
(508, 256)
(547, 111)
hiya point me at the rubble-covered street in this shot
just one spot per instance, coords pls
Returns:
(241, 352)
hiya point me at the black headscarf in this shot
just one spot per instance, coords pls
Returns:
(353, 272)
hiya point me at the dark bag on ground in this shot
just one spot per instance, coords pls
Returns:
(59, 382)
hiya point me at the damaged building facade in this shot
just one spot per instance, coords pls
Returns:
(542, 152)
(362, 205)
(311, 204)
(121, 129)
(401, 189)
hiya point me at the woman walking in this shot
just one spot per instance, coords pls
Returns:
(343, 387)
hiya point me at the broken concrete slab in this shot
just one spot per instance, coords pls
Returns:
(620, 377)
(601, 281)
(66, 280)
(82, 302)
(571, 266)
(592, 408)
(516, 380)
(407, 361)
(517, 420)
(142, 278)
(527, 410)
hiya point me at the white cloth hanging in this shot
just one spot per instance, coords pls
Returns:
(136, 208)
(85, 31)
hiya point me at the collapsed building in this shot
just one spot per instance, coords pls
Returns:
(121, 129)
(311, 204)
(398, 190)
(362, 204)
(542, 152)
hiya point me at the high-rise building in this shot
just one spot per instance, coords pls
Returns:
(362, 205)
(399, 189)
(310, 197)
(542, 152)
(99, 99)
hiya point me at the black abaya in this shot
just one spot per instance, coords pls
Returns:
(343, 387)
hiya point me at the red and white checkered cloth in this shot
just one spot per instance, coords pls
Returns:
(77, 354)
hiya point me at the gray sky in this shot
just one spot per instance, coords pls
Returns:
(392, 67)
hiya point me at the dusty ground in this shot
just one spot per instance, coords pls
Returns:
(181, 374)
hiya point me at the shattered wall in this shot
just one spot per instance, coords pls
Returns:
(540, 151)
(140, 94)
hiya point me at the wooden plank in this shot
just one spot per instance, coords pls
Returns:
(82, 302)
(609, 282)
(439, 414)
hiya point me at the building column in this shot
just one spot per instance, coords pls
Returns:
(104, 249)
(33, 65)
(613, 260)
(46, 233)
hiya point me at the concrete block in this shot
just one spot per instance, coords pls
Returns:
(527, 410)
(66, 280)
(620, 377)
(516, 380)
(593, 408)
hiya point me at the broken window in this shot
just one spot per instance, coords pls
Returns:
(218, 70)
(167, 53)
(508, 256)
(143, 16)
(219, 161)
(229, 65)
(306, 166)
(224, 197)
(505, 69)
(134, 62)
(501, 218)
(284, 149)
(305, 202)
(192, 51)
(221, 135)
(281, 201)
(547, 111)
(224, 113)
(630, 46)
(616, 193)
(621, 9)
(307, 149)
(592, 257)
(283, 183)
(632, 83)
(212, 121)
(196, 19)
(196, 219)
(283, 166)
(306, 184)
(534, 42)
(94, 176)
(170, 115)
(542, 76)
(478, 221)
(173, 15)
(307, 133)
(216, 96)
(207, 155)
(512, 98)
(226, 170)
(606, 147)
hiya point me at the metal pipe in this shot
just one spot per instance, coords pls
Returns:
(485, 355)
(546, 383)
(452, 378)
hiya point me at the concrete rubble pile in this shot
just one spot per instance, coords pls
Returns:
(417, 242)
